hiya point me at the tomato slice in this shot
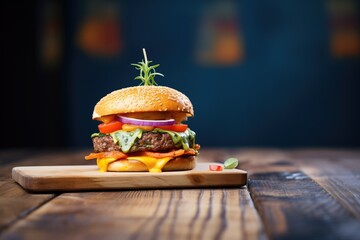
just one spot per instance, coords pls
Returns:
(215, 167)
(176, 127)
(110, 127)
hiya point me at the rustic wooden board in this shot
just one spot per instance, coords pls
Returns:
(85, 177)
(15, 203)
(293, 206)
(340, 177)
(305, 194)
(187, 214)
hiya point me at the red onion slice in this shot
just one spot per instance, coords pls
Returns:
(141, 122)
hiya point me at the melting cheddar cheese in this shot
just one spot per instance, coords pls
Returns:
(152, 164)
(103, 163)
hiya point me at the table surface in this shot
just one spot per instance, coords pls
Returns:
(291, 194)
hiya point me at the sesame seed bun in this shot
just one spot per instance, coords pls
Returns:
(143, 99)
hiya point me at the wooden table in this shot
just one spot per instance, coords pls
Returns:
(291, 194)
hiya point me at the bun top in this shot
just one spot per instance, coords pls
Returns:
(141, 99)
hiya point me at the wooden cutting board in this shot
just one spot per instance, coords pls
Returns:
(87, 177)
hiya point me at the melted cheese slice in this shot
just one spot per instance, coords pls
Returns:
(152, 164)
(103, 163)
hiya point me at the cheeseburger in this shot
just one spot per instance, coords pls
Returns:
(142, 128)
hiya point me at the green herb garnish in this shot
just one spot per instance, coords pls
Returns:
(147, 73)
(231, 163)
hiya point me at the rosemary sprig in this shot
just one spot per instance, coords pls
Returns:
(147, 73)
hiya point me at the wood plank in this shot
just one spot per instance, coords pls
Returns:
(294, 205)
(338, 174)
(76, 178)
(290, 202)
(293, 190)
(147, 214)
(15, 203)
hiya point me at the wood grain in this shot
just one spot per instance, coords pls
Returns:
(80, 177)
(147, 214)
(295, 194)
(15, 203)
(337, 172)
(291, 202)
(304, 196)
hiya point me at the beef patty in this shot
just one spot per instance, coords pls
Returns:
(149, 141)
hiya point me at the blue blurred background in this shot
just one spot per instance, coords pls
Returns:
(259, 73)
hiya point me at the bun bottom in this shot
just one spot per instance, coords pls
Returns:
(175, 164)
